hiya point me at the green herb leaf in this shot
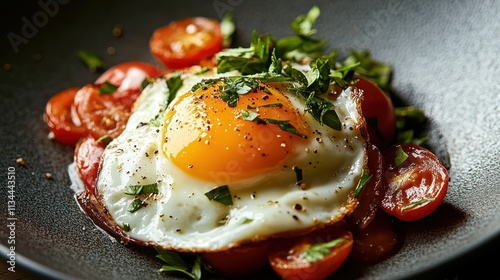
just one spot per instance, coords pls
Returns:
(246, 221)
(105, 139)
(251, 60)
(363, 181)
(174, 83)
(227, 27)
(285, 126)
(318, 251)
(126, 227)
(107, 88)
(91, 60)
(276, 67)
(176, 264)
(321, 110)
(249, 115)
(157, 119)
(400, 156)
(147, 81)
(416, 203)
(303, 24)
(220, 194)
(196, 269)
(282, 124)
(266, 106)
(171, 258)
(141, 189)
(134, 205)
(378, 72)
(234, 86)
(302, 45)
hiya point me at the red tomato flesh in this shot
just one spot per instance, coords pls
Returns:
(101, 114)
(128, 76)
(287, 257)
(369, 196)
(377, 109)
(375, 242)
(238, 262)
(186, 42)
(417, 186)
(88, 155)
(61, 118)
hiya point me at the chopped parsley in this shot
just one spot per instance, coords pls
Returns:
(107, 88)
(137, 190)
(235, 86)
(416, 203)
(105, 139)
(266, 106)
(320, 250)
(147, 81)
(227, 27)
(400, 156)
(282, 124)
(220, 194)
(126, 227)
(134, 205)
(174, 83)
(91, 60)
(365, 178)
(141, 189)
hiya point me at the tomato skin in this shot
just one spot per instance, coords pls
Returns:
(107, 114)
(60, 117)
(369, 196)
(286, 260)
(186, 42)
(128, 76)
(101, 114)
(376, 241)
(415, 188)
(376, 105)
(238, 262)
(87, 157)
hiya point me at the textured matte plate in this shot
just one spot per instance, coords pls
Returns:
(445, 56)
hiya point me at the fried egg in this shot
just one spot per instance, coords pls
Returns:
(278, 169)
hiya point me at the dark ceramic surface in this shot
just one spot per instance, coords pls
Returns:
(445, 56)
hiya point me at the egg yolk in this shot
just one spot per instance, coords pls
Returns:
(211, 140)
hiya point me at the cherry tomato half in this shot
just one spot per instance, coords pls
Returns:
(101, 114)
(379, 113)
(128, 77)
(368, 197)
(87, 156)
(106, 113)
(186, 42)
(416, 186)
(61, 118)
(314, 256)
(238, 262)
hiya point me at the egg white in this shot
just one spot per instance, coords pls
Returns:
(181, 217)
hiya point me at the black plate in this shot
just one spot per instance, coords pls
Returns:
(445, 56)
